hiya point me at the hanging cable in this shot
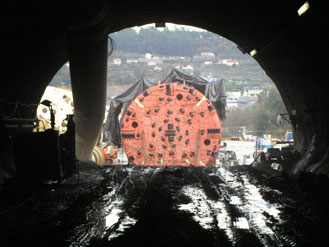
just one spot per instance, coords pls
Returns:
(16, 108)
(11, 114)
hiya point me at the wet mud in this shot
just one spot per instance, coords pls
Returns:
(170, 206)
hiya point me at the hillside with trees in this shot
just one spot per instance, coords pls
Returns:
(181, 48)
(259, 119)
(178, 42)
(186, 46)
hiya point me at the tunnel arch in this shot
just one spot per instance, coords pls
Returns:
(290, 48)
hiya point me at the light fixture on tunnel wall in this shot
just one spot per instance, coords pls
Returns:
(293, 112)
(253, 52)
(52, 113)
(160, 25)
(303, 8)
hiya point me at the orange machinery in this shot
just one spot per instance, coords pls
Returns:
(171, 125)
(110, 154)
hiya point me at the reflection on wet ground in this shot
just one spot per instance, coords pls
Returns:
(164, 206)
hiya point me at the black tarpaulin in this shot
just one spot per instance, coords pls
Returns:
(213, 89)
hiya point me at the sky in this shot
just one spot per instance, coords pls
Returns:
(172, 26)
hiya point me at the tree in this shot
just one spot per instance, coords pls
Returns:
(259, 119)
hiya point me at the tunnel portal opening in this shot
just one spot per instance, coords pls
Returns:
(207, 60)
(264, 36)
(211, 61)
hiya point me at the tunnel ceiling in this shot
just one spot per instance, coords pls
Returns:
(291, 49)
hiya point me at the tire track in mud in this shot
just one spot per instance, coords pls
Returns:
(211, 202)
(261, 217)
(109, 216)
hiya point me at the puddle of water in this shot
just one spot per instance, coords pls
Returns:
(112, 218)
(256, 200)
(112, 208)
(201, 210)
(205, 211)
(254, 205)
(241, 223)
(223, 219)
(125, 224)
(235, 200)
(115, 215)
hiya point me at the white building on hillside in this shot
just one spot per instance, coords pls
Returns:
(208, 63)
(117, 61)
(132, 61)
(207, 54)
(230, 62)
(253, 91)
(234, 93)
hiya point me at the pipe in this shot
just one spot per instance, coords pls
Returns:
(88, 68)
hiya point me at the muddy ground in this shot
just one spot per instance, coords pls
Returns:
(168, 206)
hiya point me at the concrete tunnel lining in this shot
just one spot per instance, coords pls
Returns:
(40, 48)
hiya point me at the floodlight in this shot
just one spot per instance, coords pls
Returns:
(253, 52)
(303, 8)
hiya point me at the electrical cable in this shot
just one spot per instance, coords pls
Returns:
(283, 33)
(11, 114)
(269, 44)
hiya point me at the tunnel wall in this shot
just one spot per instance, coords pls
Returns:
(292, 50)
